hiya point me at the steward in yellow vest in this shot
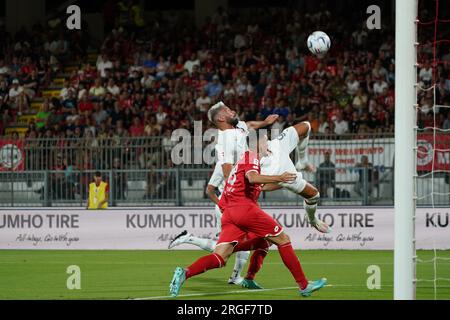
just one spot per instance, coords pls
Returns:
(98, 193)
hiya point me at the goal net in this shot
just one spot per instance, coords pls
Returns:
(432, 150)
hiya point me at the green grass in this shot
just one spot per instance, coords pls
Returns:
(146, 274)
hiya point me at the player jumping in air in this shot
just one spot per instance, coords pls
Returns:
(246, 227)
(232, 142)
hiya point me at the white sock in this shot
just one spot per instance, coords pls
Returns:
(310, 210)
(239, 263)
(202, 243)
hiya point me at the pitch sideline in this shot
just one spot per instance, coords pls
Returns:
(235, 292)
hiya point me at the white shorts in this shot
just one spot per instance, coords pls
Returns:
(287, 140)
(278, 160)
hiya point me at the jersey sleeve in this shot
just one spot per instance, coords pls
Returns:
(242, 125)
(251, 163)
(217, 176)
(219, 153)
(226, 148)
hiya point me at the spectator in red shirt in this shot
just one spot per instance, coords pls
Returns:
(85, 105)
(137, 128)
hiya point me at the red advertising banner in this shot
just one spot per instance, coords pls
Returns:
(12, 155)
(427, 160)
(346, 154)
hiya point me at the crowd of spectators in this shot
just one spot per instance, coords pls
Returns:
(163, 75)
(29, 61)
(152, 77)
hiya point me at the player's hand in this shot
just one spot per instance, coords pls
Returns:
(310, 168)
(271, 119)
(288, 177)
(307, 167)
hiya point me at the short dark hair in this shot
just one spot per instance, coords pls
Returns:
(97, 174)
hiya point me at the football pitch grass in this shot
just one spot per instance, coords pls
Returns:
(28, 274)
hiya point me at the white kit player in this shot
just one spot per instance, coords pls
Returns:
(232, 143)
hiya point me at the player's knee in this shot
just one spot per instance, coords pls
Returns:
(285, 238)
(307, 124)
(309, 191)
(304, 129)
(282, 238)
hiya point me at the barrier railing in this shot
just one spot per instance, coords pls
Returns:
(351, 170)
(140, 153)
(175, 186)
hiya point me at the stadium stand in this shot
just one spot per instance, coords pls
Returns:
(123, 97)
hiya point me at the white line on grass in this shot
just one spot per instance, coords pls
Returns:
(236, 291)
(214, 293)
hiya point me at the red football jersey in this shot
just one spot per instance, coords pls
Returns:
(238, 190)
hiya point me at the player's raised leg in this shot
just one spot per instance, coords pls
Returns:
(279, 161)
(311, 197)
(303, 130)
(310, 194)
(188, 238)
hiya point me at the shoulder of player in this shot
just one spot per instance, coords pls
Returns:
(242, 125)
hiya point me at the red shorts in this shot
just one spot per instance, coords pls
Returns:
(241, 223)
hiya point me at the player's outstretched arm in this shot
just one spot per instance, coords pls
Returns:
(255, 177)
(261, 124)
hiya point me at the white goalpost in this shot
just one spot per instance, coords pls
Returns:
(405, 162)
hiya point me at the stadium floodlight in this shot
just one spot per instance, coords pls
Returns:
(405, 122)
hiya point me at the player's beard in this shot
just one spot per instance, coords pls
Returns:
(233, 121)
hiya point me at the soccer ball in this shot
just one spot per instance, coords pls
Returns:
(319, 42)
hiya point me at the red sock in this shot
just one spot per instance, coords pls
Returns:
(293, 264)
(256, 262)
(211, 261)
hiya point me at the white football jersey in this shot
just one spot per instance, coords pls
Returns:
(232, 143)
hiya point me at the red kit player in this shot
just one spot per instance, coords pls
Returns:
(246, 227)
